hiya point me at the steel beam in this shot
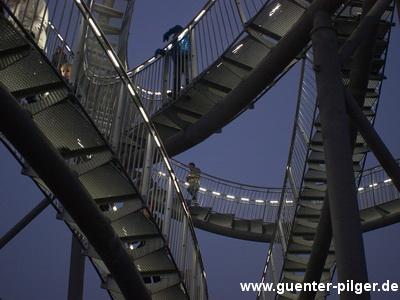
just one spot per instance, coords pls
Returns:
(76, 271)
(346, 225)
(323, 236)
(250, 87)
(24, 222)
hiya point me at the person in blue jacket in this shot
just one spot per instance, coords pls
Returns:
(180, 53)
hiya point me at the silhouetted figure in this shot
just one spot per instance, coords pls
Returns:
(33, 15)
(193, 179)
(59, 58)
(180, 56)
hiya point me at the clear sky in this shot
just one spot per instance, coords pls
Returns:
(253, 149)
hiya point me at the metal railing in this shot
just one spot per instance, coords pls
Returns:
(376, 188)
(106, 93)
(227, 197)
(219, 29)
(303, 132)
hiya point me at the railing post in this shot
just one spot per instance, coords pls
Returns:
(282, 234)
(193, 273)
(168, 209)
(79, 54)
(240, 10)
(192, 48)
(166, 73)
(146, 173)
(182, 256)
(118, 117)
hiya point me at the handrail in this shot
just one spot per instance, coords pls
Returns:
(217, 31)
(303, 133)
(101, 61)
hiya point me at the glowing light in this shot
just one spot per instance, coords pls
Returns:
(176, 186)
(157, 141)
(182, 34)
(216, 193)
(167, 163)
(245, 199)
(144, 114)
(80, 143)
(387, 180)
(94, 27)
(151, 59)
(113, 58)
(274, 9)
(230, 196)
(360, 189)
(130, 88)
(200, 15)
(260, 201)
(274, 201)
(60, 37)
(237, 48)
(202, 189)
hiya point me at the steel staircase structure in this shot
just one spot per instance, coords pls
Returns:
(306, 178)
(72, 161)
(110, 130)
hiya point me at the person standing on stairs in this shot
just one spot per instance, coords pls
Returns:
(180, 54)
(33, 15)
(193, 179)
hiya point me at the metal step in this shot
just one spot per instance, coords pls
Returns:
(264, 31)
(225, 220)
(201, 213)
(107, 11)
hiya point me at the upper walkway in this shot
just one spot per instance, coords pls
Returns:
(249, 212)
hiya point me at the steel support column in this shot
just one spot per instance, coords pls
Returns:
(346, 226)
(373, 140)
(20, 130)
(76, 271)
(323, 236)
(319, 251)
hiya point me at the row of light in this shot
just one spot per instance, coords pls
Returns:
(142, 111)
(374, 185)
(60, 37)
(204, 190)
(239, 198)
(169, 46)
